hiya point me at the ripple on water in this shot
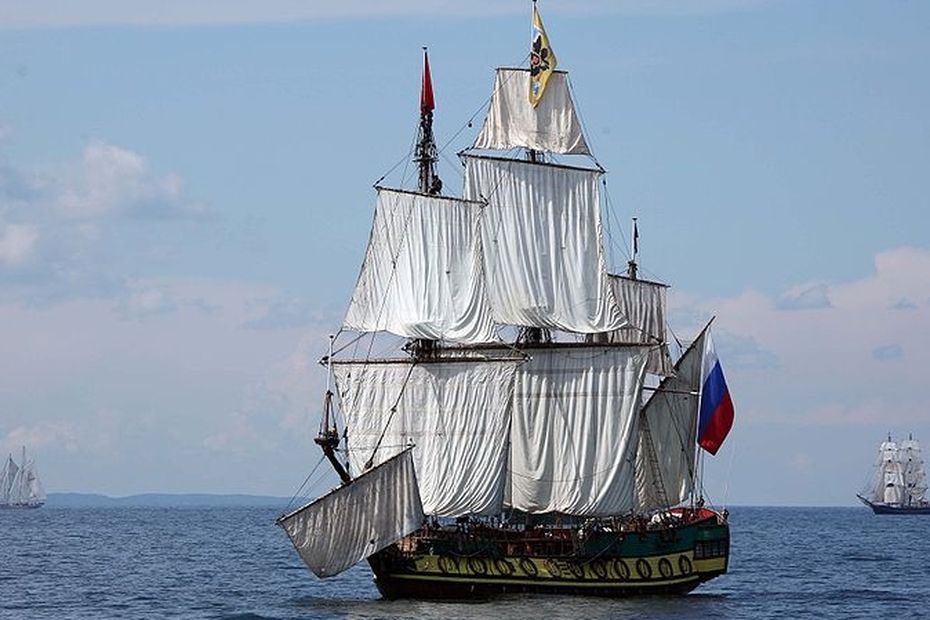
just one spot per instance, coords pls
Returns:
(230, 563)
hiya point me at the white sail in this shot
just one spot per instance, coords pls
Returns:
(357, 520)
(643, 304)
(422, 275)
(513, 122)
(541, 241)
(893, 487)
(16, 490)
(913, 474)
(665, 457)
(7, 477)
(20, 485)
(34, 492)
(574, 430)
(455, 413)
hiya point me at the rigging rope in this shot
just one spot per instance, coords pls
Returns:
(387, 423)
(304, 483)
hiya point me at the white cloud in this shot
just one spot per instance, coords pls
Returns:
(146, 301)
(109, 179)
(805, 297)
(35, 437)
(85, 226)
(842, 345)
(17, 242)
(161, 389)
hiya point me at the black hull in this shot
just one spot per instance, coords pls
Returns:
(886, 509)
(900, 510)
(393, 588)
(486, 562)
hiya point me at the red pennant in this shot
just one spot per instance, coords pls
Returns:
(426, 93)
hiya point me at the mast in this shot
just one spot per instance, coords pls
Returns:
(534, 335)
(634, 248)
(426, 157)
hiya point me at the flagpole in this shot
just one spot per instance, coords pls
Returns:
(634, 247)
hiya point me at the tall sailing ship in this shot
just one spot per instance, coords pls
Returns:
(511, 443)
(20, 486)
(899, 483)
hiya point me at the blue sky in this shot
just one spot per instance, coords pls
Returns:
(185, 196)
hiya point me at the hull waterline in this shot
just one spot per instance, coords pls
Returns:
(888, 509)
(480, 564)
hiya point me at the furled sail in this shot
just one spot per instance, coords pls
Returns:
(513, 122)
(456, 413)
(668, 427)
(574, 430)
(541, 241)
(422, 275)
(354, 521)
(643, 303)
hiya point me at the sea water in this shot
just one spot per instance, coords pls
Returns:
(233, 563)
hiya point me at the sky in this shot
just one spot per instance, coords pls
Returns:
(186, 192)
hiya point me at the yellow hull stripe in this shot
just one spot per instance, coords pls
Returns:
(651, 571)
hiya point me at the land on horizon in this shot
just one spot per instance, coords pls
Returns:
(179, 500)
(94, 500)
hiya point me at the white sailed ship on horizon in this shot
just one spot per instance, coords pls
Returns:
(899, 484)
(20, 486)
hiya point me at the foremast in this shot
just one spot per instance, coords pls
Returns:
(426, 157)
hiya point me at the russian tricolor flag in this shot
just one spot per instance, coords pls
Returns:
(716, 416)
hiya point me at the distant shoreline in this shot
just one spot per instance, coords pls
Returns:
(231, 500)
(173, 500)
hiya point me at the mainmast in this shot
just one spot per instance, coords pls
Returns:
(534, 335)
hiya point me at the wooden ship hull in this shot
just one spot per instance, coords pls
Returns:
(457, 562)
(897, 509)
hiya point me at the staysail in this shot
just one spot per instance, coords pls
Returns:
(643, 304)
(456, 413)
(665, 457)
(541, 241)
(422, 275)
(574, 430)
(513, 122)
(8, 476)
(357, 520)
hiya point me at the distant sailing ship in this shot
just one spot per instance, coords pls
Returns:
(20, 486)
(511, 446)
(899, 485)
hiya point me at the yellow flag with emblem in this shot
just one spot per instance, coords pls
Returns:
(542, 60)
